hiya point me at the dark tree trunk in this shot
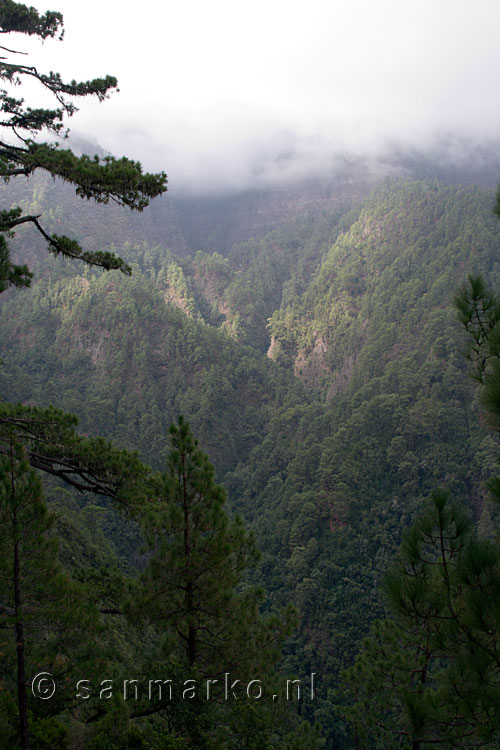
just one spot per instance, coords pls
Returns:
(191, 639)
(192, 629)
(22, 699)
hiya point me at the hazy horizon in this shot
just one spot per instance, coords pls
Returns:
(225, 97)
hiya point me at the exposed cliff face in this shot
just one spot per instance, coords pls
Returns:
(329, 473)
(310, 365)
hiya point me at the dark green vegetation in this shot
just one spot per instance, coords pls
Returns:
(329, 446)
(186, 608)
(429, 677)
(309, 338)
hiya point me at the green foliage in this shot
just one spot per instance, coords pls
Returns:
(479, 313)
(120, 180)
(199, 557)
(26, 20)
(9, 721)
(10, 274)
(400, 259)
(48, 619)
(328, 471)
(89, 464)
(100, 179)
(390, 415)
(48, 733)
(114, 732)
(178, 288)
(430, 676)
(134, 364)
(204, 614)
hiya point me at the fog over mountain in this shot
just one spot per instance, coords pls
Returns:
(227, 96)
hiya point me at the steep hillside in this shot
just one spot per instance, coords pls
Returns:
(395, 414)
(109, 349)
(329, 425)
(386, 282)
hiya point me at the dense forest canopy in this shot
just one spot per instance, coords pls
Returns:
(339, 531)
(329, 424)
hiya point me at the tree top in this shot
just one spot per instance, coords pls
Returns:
(100, 179)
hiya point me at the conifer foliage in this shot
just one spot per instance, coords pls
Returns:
(46, 618)
(120, 180)
(89, 464)
(430, 676)
(199, 558)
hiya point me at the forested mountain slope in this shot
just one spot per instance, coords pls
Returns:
(387, 281)
(374, 336)
(110, 350)
(395, 414)
(329, 425)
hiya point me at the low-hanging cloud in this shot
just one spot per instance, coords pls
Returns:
(225, 96)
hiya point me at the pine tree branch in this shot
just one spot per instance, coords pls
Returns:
(12, 51)
(88, 464)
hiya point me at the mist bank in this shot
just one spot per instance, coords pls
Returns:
(250, 193)
(284, 158)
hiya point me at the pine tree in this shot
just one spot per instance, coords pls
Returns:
(48, 434)
(194, 595)
(430, 676)
(478, 309)
(194, 579)
(46, 615)
(120, 180)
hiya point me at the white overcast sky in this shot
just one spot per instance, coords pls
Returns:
(212, 91)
